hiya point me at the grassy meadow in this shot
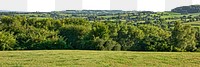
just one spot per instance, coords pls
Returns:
(194, 24)
(79, 58)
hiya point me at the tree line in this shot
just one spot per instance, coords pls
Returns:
(22, 33)
(187, 9)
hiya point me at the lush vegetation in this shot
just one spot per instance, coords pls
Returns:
(98, 59)
(100, 30)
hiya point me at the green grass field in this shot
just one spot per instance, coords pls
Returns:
(71, 58)
(194, 24)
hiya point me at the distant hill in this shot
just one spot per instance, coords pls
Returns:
(5, 11)
(10, 11)
(187, 9)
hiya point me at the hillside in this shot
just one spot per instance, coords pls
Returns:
(187, 9)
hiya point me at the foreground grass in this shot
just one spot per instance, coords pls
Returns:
(70, 58)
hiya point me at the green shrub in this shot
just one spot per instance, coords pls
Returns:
(73, 34)
(7, 41)
(51, 44)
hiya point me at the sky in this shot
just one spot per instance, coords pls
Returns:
(151, 5)
(41, 5)
(52, 5)
(96, 4)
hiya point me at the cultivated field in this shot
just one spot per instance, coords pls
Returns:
(71, 58)
(194, 24)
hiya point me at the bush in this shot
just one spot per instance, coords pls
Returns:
(102, 44)
(51, 44)
(7, 41)
(73, 34)
(117, 47)
(198, 50)
(33, 37)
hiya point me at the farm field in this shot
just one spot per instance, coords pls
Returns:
(73, 58)
(194, 24)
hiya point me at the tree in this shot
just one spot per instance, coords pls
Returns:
(7, 41)
(128, 36)
(183, 38)
(6, 20)
(73, 34)
(197, 37)
(99, 38)
(155, 39)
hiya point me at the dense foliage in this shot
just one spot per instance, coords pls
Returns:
(101, 30)
(21, 33)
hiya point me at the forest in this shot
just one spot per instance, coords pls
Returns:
(109, 30)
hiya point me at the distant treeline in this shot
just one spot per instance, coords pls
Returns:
(187, 9)
(21, 33)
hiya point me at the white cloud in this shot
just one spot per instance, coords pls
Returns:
(49, 5)
(151, 5)
(68, 5)
(196, 2)
(123, 5)
(96, 4)
(41, 5)
(13, 5)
